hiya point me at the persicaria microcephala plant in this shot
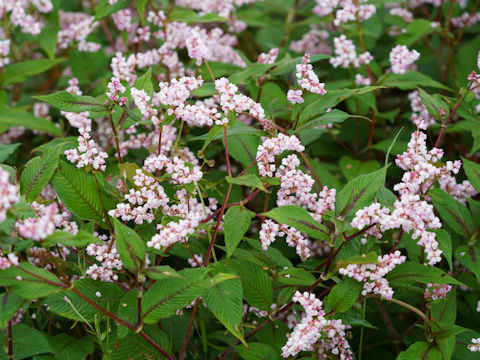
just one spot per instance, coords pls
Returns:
(239, 179)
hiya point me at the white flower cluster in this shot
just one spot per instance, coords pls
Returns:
(8, 194)
(402, 59)
(110, 263)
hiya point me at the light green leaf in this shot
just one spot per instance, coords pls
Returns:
(295, 276)
(104, 9)
(81, 239)
(411, 80)
(16, 117)
(250, 180)
(420, 350)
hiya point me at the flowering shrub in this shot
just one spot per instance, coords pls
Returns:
(213, 179)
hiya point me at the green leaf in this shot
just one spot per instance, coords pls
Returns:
(141, 4)
(239, 129)
(37, 173)
(370, 258)
(161, 272)
(27, 342)
(237, 223)
(257, 285)
(415, 30)
(257, 351)
(211, 135)
(66, 347)
(411, 80)
(359, 193)
(76, 189)
(104, 9)
(453, 213)
(334, 116)
(410, 272)
(353, 168)
(420, 350)
(144, 82)
(105, 294)
(224, 300)
(445, 244)
(295, 276)
(18, 118)
(433, 104)
(472, 170)
(21, 71)
(81, 239)
(243, 148)
(469, 256)
(130, 246)
(7, 150)
(344, 294)
(300, 219)
(165, 297)
(189, 16)
(331, 99)
(128, 311)
(65, 101)
(35, 282)
(250, 180)
(9, 305)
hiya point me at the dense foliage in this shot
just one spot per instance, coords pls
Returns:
(242, 179)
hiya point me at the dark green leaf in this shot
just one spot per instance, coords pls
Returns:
(130, 246)
(237, 223)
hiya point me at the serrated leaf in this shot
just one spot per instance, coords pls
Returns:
(37, 173)
(27, 342)
(295, 276)
(453, 213)
(472, 170)
(7, 150)
(130, 246)
(344, 294)
(257, 285)
(65, 101)
(469, 256)
(32, 284)
(257, 351)
(162, 272)
(15, 117)
(300, 219)
(77, 191)
(445, 244)
(21, 71)
(104, 8)
(66, 347)
(359, 193)
(224, 300)
(420, 350)
(412, 80)
(237, 223)
(81, 239)
(9, 305)
(165, 297)
(410, 272)
(110, 295)
(250, 180)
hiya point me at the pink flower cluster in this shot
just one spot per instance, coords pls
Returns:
(8, 194)
(176, 92)
(115, 87)
(402, 59)
(346, 54)
(373, 274)
(436, 291)
(75, 27)
(21, 14)
(348, 10)
(295, 96)
(4, 51)
(475, 345)
(181, 173)
(87, 152)
(41, 257)
(190, 211)
(7, 260)
(268, 58)
(294, 238)
(315, 332)
(411, 212)
(307, 78)
(142, 202)
(47, 219)
(110, 263)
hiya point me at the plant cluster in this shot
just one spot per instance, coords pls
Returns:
(241, 179)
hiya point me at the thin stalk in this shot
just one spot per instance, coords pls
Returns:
(115, 136)
(411, 308)
(181, 356)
